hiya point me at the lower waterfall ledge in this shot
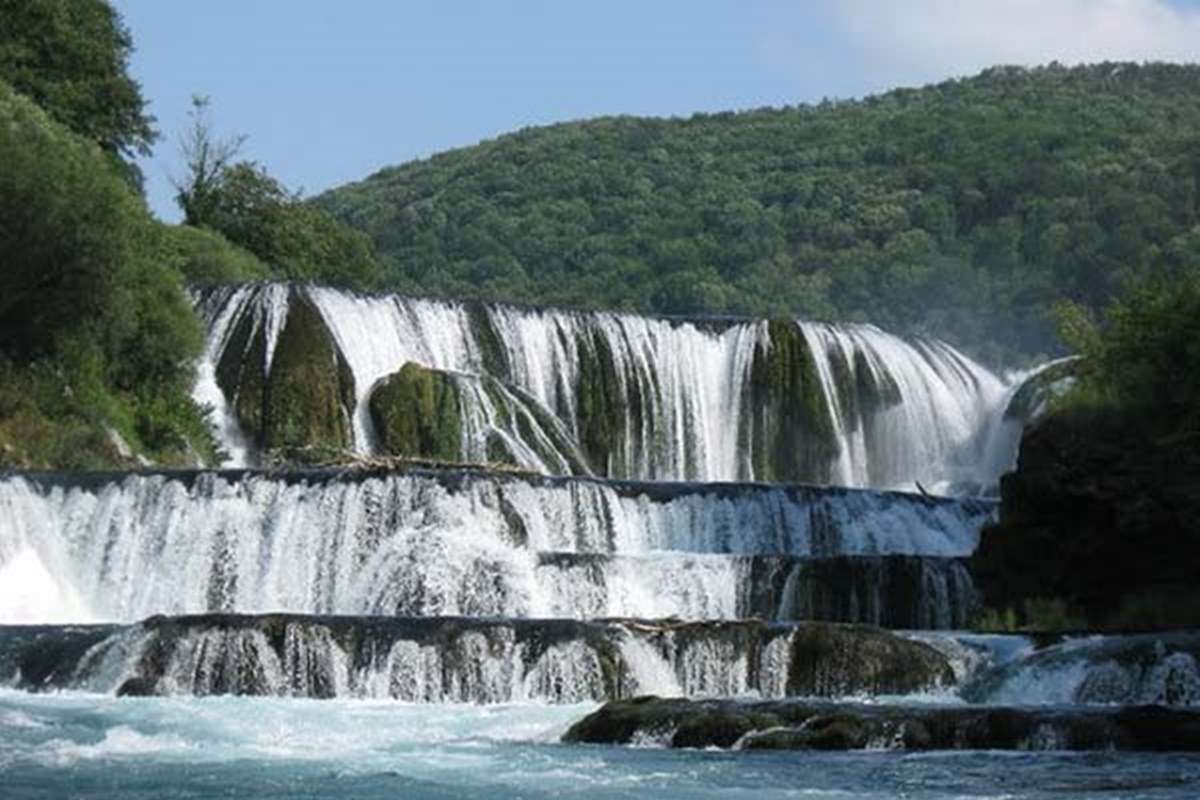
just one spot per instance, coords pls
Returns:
(791, 725)
(471, 660)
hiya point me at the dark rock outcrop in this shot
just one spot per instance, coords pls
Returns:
(1100, 515)
(790, 725)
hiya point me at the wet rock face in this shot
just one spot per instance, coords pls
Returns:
(895, 591)
(416, 412)
(1100, 516)
(808, 726)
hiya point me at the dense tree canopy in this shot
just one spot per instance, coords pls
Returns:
(71, 57)
(242, 202)
(296, 240)
(966, 209)
(1142, 356)
(96, 332)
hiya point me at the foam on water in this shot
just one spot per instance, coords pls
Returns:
(98, 747)
(30, 593)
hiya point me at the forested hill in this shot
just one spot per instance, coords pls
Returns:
(965, 209)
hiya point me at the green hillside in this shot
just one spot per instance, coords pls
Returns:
(965, 209)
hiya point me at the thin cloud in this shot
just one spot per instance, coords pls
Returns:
(897, 43)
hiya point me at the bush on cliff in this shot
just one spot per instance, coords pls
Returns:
(1101, 513)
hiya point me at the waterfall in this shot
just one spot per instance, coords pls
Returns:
(625, 396)
(1160, 669)
(477, 544)
(449, 660)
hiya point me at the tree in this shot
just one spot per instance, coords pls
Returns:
(241, 201)
(72, 58)
(79, 258)
(206, 158)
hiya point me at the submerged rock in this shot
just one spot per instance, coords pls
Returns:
(790, 725)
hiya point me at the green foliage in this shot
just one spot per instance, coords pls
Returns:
(71, 57)
(298, 241)
(965, 210)
(96, 333)
(206, 257)
(254, 211)
(1143, 357)
(80, 260)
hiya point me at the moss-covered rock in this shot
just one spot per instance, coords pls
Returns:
(788, 424)
(841, 660)
(602, 412)
(309, 399)
(417, 414)
(304, 404)
(493, 355)
(1032, 400)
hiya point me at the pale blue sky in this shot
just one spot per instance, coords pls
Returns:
(330, 92)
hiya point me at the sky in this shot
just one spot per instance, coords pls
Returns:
(326, 93)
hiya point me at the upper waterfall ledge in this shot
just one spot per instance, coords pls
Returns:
(603, 393)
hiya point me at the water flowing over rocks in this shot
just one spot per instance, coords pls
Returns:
(125, 546)
(1142, 669)
(461, 659)
(602, 393)
(611, 507)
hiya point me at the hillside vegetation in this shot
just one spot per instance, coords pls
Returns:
(966, 209)
(98, 337)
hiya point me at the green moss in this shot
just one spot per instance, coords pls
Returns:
(493, 355)
(309, 395)
(417, 414)
(791, 433)
(601, 412)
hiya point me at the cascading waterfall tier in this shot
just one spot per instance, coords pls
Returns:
(610, 394)
(438, 660)
(120, 547)
(495, 660)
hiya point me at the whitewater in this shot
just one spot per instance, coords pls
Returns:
(434, 633)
